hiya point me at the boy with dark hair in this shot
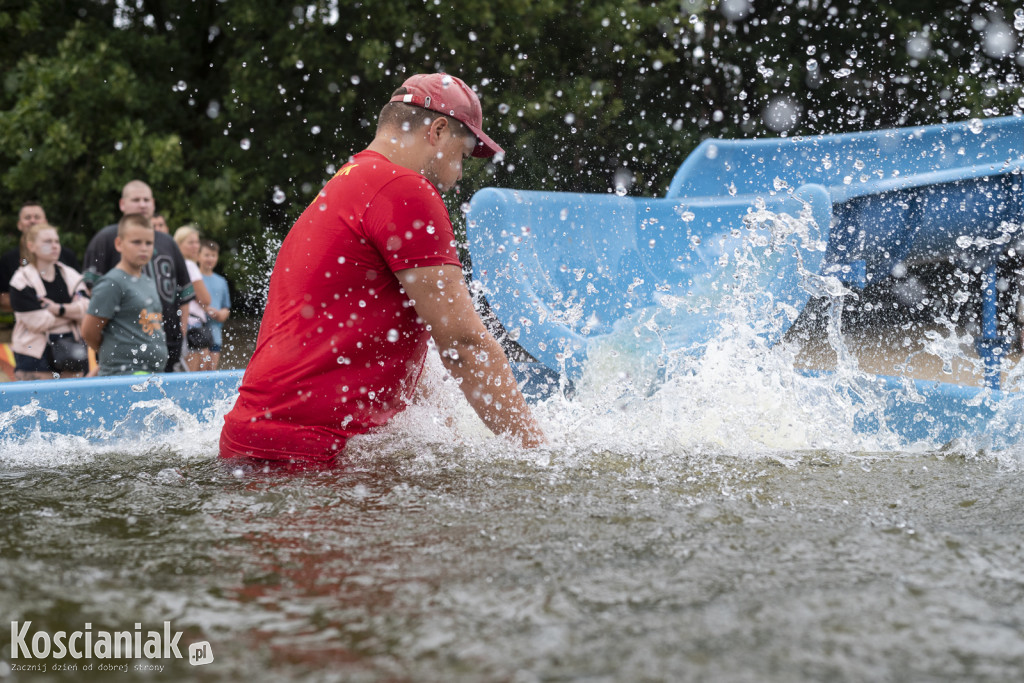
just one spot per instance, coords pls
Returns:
(124, 323)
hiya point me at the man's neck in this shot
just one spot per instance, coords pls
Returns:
(400, 149)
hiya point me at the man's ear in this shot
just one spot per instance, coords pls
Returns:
(437, 127)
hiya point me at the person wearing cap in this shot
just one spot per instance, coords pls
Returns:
(366, 276)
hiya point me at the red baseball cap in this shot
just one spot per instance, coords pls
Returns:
(448, 95)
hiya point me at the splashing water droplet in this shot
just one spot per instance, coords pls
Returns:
(278, 196)
(244, 143)
(392, 335)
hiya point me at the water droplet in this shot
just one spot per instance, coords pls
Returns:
(780, 114)
(999, 40)
(975, 126)
(918, 46)
(279, 195)
(244, 143)
(392, 335)
(355, 80)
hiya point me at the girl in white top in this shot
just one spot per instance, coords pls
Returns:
(197, 345)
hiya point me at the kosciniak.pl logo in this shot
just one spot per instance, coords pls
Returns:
(87, 644)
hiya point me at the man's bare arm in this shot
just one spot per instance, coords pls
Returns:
(469, 352)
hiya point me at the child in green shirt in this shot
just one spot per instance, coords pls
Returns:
(124, 323)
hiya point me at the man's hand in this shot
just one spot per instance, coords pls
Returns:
(469, 352)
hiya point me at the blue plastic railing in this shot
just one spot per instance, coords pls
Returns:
(103, 408)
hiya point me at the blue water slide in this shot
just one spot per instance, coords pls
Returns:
(563, 270)
(901, 197)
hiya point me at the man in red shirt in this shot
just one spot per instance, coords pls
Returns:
(366, 275)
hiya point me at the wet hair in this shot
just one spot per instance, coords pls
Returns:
(32, 233)
(132, 219)
(209, 244)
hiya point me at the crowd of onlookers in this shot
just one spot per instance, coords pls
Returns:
(139, 302)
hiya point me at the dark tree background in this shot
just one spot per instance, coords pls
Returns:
(237, 111)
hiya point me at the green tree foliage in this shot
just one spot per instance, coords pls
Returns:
(237, 111)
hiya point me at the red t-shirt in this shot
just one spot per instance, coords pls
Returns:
(340, 348)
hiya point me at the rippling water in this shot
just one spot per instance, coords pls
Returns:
(450, 564)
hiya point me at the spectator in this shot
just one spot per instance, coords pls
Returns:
(124, 320)
(30, 214)
(220, 299)
(198, 338)
(167, 267)
(159, 223)
(48, 298)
